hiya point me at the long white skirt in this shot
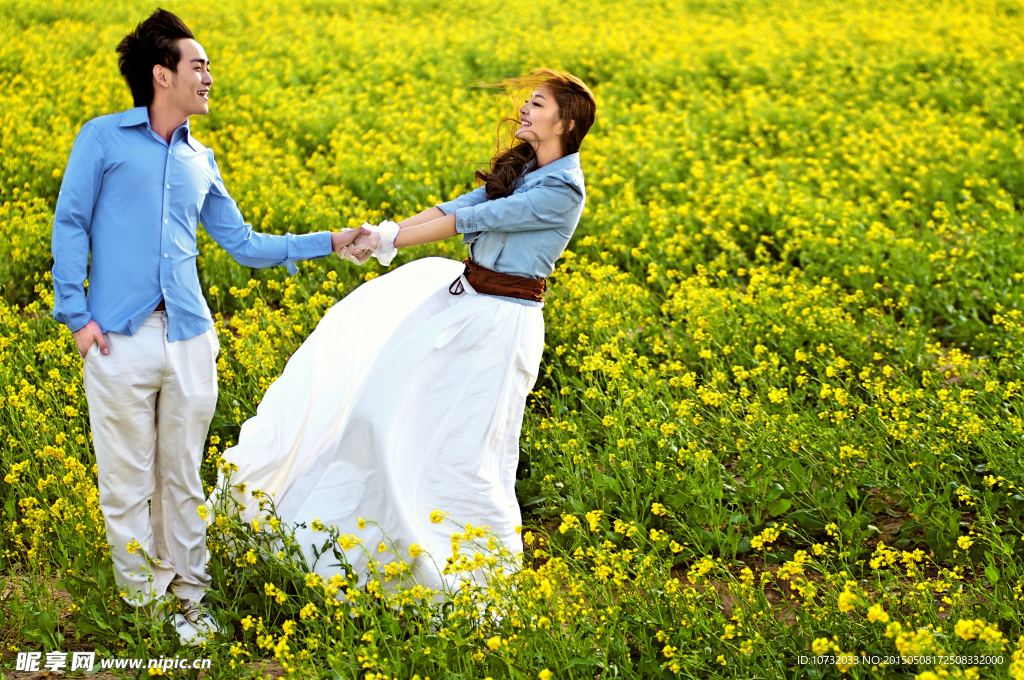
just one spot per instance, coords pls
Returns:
(405, 399)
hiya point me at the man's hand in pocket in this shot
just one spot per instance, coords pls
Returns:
(87, 336)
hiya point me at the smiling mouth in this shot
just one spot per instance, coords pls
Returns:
(525, 123)
(204, 93)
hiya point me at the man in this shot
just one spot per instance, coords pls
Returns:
(136, 186)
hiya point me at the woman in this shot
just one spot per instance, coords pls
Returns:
(428, 416)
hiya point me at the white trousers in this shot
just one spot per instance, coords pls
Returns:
(150, 406)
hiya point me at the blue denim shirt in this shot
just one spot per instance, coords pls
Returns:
(133, 202)
(523, 234)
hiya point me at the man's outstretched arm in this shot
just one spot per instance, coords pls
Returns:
(224, 222)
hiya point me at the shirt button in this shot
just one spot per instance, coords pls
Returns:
(165, 254)
(168, 186)
(165, 220)
(163, 290)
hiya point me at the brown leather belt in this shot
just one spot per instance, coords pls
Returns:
(490, 282)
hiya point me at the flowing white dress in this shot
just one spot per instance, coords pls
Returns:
(405, 399)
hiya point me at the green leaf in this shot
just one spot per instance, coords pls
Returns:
(582, 662)
(992, 574)
(779, 507)
(807, 520)
(602, 481)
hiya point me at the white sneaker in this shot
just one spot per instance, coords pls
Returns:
(202, 620)
(188, 635)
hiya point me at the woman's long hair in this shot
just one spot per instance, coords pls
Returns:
(575, 103)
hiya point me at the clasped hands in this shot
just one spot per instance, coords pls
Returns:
(369, 240)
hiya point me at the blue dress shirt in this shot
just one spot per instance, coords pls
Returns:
(134, 202)
(523, 234)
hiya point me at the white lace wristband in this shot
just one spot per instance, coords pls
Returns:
(386, 250)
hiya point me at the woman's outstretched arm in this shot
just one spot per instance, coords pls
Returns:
(426, 227)
(420, 218)
(425, 230)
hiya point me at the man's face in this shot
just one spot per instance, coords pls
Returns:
(190, 84)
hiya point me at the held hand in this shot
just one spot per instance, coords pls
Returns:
(357, 256)
(341, 239)
(88, 335)
(368, 242)
(362, 248)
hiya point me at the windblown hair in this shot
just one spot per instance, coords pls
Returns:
(154, 41)
(575, 103)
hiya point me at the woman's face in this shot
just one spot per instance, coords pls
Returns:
(539, 115)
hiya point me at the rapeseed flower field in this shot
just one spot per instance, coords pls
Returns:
(781, 405)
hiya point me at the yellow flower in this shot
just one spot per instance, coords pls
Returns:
(847, 601)
(202, 511)
(657, 509)
(893, 629)
(965, 629)
(494, 643)
(437, 516)
(545, 674)
(876, 614)
(361, 523)
(348, 541)
(415, 550)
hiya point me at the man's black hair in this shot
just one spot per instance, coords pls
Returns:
(154, 41)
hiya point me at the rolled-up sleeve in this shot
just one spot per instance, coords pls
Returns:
(474, 197)
(540, 207)
(222, 219)
(72, 224)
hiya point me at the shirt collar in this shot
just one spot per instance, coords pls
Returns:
(140, 116)
(136, 116)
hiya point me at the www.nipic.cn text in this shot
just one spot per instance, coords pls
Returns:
(73, 661)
